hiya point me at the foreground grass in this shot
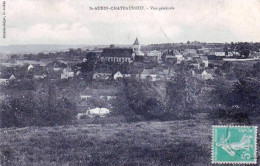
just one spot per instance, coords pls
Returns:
(185, 142)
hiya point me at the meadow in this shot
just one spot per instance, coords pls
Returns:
(180, 142)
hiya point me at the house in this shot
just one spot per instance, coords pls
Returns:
(203, 50)
(189, 51)
(180, 58)
(234, 53)
(150, 59)
(255, 55)
(207, 74)
(56, 65)
(85, 97)
(190, 56)
(67, 73)
(103, 94)
(118, 75)
(150, 74)
(156, 54)
(133, 71)
(221, 54)
(3, 81)
(102, 74)
(201, 64)
(12, 77)
(205, 60)
(128, 74)
(30, 67)
(39, 72)
(85, 60)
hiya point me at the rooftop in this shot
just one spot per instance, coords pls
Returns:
(117, 52)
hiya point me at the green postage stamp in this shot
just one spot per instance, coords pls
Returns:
(234, 144)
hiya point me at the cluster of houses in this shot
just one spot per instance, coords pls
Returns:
(196, 58)
(155, 65)
(37, 71)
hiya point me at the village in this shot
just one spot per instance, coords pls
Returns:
(90, 77)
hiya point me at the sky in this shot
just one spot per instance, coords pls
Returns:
(71, 22)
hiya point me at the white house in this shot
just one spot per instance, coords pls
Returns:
(102, 74)
(85, 60)
(179, 58)
(220, 53)
(149, 74)
(85, 97)
(12, 77)
(118, 75)
(67, 73)
(234, 53)
(111, 97)
(30, 67)
(207, 74)
(255, 55)
(155, 53)
(3, 81)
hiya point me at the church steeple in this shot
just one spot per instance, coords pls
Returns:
(136, 46)
(136, 42)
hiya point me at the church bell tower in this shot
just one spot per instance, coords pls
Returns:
(136, 46)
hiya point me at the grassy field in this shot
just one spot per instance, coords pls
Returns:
(186, 142)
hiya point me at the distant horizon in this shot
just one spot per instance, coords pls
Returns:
(201, 42)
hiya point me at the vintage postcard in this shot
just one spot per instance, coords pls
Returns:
(129, 82)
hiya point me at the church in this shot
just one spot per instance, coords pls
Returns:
(122, 55)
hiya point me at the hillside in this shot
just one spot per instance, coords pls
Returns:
(145, 143)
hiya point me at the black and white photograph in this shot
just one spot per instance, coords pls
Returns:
(129, 82)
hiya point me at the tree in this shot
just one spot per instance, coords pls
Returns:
(33, 110)
(179, 92)
(135, 100)
(89, 65)
(246, 95)
(256, 70)
(241, 97)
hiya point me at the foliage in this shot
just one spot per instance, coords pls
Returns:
(135, 100)
(89, 65)
(183, 92)
(32, 110)
(241, 97)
